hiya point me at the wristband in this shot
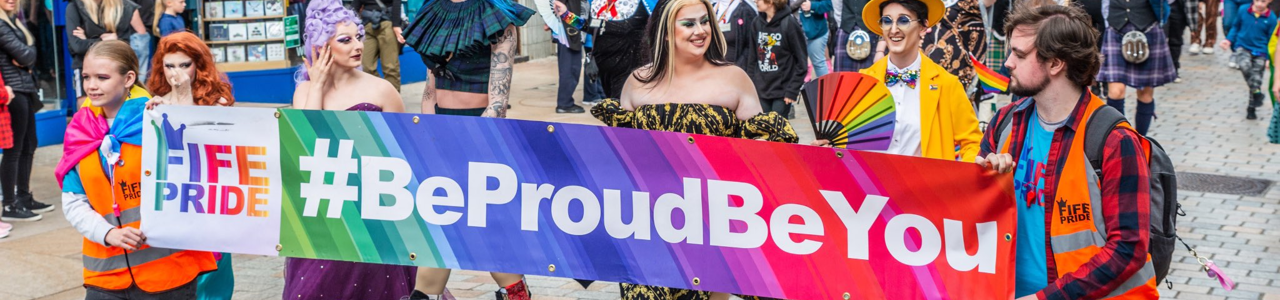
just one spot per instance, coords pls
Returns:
(571, 19)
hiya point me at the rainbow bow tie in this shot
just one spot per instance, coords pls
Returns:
(910, 78)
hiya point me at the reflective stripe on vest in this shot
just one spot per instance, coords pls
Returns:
(1076, 230)
(151, 269)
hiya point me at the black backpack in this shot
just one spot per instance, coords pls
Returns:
(1164, 183)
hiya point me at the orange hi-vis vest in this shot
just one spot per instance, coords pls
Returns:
(151, 269)
(1080, 234)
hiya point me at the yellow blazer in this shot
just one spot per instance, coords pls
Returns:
(948, 126)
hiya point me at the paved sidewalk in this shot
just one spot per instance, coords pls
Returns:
(1201, 123)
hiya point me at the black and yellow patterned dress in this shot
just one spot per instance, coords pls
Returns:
(697, 119)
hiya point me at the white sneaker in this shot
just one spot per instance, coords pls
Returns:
(1195, 49)
(1207, 50)
(1233, 65)
(6, 226)
(4, 233)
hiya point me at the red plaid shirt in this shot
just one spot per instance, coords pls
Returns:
(6, 127)
(1125, 201)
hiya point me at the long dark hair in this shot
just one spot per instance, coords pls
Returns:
(657, 38)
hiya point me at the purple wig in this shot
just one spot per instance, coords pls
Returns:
(323, 18)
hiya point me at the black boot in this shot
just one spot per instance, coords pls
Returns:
(1255, 101)
(34, 206)
(1117, 103)
(1146, 112)
(1251, 113)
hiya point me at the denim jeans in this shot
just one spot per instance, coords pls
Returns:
(818, 55)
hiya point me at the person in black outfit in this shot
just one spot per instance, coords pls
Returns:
(383, 37)
(782, 56)
(86, 29)
(569, 58)
(1177, 26)
(17, 54)
(619, 43)
(735, 19)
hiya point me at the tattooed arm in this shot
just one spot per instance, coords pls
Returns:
(429, 95)
(500, 73)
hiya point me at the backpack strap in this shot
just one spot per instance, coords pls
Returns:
(1104, 119)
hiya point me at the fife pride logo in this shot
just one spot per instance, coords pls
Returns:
(208, 178)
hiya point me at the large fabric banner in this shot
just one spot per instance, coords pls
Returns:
(587, 202)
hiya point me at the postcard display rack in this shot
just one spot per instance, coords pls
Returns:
(245, 35)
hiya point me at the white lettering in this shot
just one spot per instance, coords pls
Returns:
(782, 228)
(590, 210)
(427, 200)
(691, 207)
(857, 224)
(895, 239)
(531, 196)
(480, 196)
(372, 188)
(958, 256)
(721, 213)
(639, 226)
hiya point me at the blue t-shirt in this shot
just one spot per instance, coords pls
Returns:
(170, 24)
(1028, 183)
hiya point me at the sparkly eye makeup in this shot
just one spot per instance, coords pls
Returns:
(686, 23)
(344, 39)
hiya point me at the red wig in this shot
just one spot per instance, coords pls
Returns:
(207, 86)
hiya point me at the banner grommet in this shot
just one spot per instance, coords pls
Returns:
(551, 268)
(279, 247)
(277, 114)
(1008, 237)
(696, 281)
(839, 154)
(551, 128)
(691, 140)
(147, 173)
(413, 256)
(845, 296)
(415, 119)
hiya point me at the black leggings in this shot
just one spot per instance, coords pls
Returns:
(15, 165)
(779, 106)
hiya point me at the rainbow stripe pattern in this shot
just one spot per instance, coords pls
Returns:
(627, 160)
(851, 110)
(991, 81)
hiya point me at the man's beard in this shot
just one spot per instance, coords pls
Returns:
(1027, 91)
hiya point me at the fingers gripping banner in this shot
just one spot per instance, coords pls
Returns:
(587, 202)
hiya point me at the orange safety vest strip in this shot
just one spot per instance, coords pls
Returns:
(153, 269)
(1077, 237)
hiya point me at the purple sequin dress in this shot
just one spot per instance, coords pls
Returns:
(327, 279)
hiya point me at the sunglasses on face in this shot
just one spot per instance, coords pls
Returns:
(887, 22)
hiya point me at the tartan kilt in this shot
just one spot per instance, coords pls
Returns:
(6, 128)
(1156, 71)
(842, 61)
(997, 53)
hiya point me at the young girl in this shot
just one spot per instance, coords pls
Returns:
(118, 263)
(168, 20)
(781, 56)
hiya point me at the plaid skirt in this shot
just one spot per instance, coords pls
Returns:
(842, 61)
(6, 128)
(1156, 71)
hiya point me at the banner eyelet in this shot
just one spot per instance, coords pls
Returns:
(1008, 237)
(415, 119)
(697, 281)
(551, 128)
(551, 268)
(279, 247)
(413, 256)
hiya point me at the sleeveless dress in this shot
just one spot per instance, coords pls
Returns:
(328, 279)
(697, 119)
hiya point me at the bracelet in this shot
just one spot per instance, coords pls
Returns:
(571, 19)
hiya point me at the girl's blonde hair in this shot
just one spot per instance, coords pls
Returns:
(161, 8)
(18, 25)
(120, 53)
(104, 12)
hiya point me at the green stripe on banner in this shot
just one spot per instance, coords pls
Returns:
(293, 238)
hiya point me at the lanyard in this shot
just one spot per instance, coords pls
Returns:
(612, 7)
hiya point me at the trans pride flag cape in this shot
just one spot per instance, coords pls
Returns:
(88, 131)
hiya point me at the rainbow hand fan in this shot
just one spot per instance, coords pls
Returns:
(852, 110)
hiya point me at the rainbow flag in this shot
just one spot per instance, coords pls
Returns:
(992, 82)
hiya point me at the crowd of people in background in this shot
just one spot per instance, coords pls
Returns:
(730, 68)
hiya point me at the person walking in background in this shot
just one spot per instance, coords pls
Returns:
(813, 17)
(619, 41)
(569, 56)
(1177, 26)
(1144, 18)
(17, 55)
(856, 49)
(383, 37)
(168, 21)
(1205, 34)
(781, 56)
(1249, 37)
(93, 21)
(735, 19)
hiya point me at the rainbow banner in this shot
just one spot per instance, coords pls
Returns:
(613, 204)
(992, 82)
